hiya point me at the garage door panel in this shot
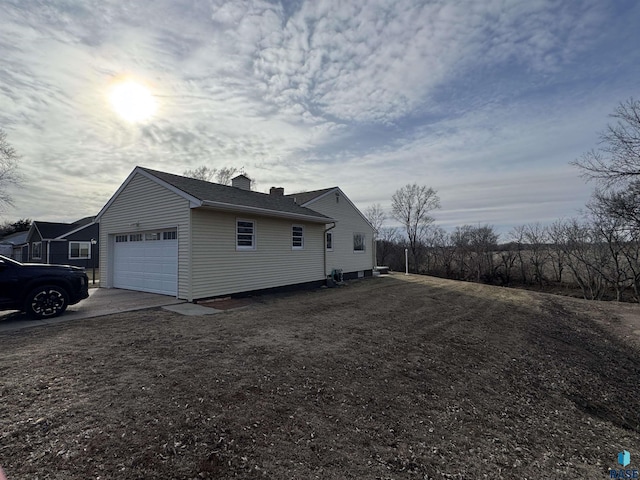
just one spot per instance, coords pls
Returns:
(147, 265)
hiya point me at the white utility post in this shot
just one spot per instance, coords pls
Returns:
(406, 261)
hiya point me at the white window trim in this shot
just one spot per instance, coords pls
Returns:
(295, 247)
(364, 243)
(88, 257)
(33, 249)
(326, 234)
(245, 248)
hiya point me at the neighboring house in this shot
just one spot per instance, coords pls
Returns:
(64, 243)
(174, 235)
(15, 246)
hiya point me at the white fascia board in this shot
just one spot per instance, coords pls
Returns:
(32, 228)
(194, 202)
(264, 211)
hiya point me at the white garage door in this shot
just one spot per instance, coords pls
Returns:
(147, 262)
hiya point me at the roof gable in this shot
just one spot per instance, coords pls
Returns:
(303, 198)
(208, 194)
(51, 230)
(307, 198)
(57, 230)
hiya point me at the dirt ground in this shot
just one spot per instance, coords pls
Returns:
(387, 378)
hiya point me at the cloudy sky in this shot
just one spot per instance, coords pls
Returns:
(485, 101)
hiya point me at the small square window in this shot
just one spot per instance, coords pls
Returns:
(121, 238)
(173, 235)
(135, 237)
(152, 236)
(79, 250)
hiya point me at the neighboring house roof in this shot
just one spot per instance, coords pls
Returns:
(85, 232)
(305, 197)
(17, 238)
(51, 230)
(207, 194)
(84, 221)
(57, 230)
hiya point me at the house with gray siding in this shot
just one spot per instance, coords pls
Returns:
(174, 235)
(15, 246)
(63, 243)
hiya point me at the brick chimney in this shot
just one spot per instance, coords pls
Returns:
(279, 191)
(241, 181)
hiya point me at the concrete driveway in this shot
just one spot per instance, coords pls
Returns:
(101, 301)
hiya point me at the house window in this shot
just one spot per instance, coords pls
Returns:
(358, 242)
(169, 235)
(329, 241)
(297, 237)
(36, 250)
(135, 237)
(79, 250)
(121, 238)
(245, 235)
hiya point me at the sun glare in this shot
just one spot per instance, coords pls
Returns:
(132, 101)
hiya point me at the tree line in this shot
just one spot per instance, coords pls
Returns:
(598, 252)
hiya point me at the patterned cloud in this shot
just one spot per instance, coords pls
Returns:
(485, 101)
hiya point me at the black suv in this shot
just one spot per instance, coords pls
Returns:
(42, 291)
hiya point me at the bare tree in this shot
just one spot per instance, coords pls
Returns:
(223, 175)
(386, 244)
(8, 170)
(557, 256)
(22, 225)
(201, 173)
(536, 239)
(618, 158)
(583, 255)
(623, 204)
(375, 216)
(483, 242)
(507, 257)
(461, 240)
(445, 250)
(411, 206)
(518, 235)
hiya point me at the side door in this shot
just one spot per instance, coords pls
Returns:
(8, 283)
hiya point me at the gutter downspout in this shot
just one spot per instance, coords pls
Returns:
(324, 247)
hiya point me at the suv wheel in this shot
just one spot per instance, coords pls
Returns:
(46, 301)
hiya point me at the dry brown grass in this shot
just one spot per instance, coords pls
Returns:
(389, 378)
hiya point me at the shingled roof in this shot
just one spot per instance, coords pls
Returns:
(212, 194)
(51, 230)
(304, 197)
